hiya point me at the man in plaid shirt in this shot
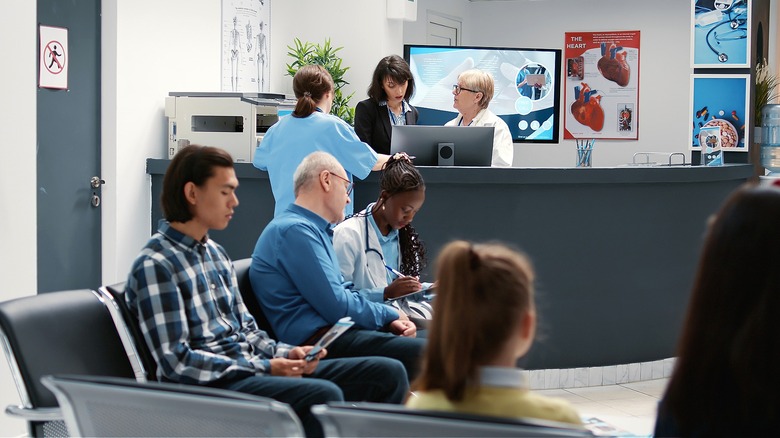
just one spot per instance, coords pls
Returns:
(183, 289)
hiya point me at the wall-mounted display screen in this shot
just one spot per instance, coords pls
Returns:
(527, 86)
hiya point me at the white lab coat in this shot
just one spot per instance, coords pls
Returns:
(365, 269)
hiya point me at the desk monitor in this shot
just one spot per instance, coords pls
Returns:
(444, 145)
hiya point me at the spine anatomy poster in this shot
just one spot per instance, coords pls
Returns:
(245, 45)
(601, 86)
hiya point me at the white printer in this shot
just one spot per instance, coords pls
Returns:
(235, 122)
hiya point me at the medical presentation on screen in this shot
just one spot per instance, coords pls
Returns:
(527, 89)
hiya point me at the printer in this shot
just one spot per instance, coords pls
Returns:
(235, 122)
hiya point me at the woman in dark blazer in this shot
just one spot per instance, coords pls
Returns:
(388, 103)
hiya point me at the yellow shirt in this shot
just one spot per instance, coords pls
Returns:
(499, 398)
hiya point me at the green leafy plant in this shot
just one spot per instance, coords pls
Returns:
(326, 56)
(766, 89)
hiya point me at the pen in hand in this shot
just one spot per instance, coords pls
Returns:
(397, 273)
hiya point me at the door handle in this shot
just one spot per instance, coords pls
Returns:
(96, 182)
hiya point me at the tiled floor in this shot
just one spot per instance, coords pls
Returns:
(629, 406)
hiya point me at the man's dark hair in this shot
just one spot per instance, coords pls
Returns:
(194, 164)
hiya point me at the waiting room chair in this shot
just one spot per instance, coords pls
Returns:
(385, 420)
(65, 332)
(248, 295)
(106, 406)
(144, 365)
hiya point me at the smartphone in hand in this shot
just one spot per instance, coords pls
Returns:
(337, 330)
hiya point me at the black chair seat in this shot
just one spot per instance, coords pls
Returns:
(65, 332)
(130, 331)
(248, 295)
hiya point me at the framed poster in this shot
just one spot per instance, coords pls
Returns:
(53, 57)
(601, 85)
(245, 45)
(720, 33)
(720, 101)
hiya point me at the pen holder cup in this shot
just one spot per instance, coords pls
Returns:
(584, 156)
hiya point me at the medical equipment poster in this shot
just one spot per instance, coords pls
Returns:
(245, 45)
(719, 107)
(601, 97)
(720, 36)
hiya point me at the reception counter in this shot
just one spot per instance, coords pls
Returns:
(615, 249)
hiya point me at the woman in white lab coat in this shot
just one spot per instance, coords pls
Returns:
(379, 250)
(473, 110)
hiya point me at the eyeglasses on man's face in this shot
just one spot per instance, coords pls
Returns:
(457, 89)
(350, 184)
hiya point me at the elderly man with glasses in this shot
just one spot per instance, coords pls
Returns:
(296, 276)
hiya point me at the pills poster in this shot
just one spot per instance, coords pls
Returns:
(720, 101)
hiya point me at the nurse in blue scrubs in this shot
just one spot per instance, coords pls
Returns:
(311, 128)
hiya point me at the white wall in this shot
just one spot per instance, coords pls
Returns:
(145, 56)
(365, 40)
(18, 40)
(664, 62)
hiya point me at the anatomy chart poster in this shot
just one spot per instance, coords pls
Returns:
(720, 35)
(601, 89)
(245, 45)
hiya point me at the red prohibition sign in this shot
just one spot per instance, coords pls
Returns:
(54, 57)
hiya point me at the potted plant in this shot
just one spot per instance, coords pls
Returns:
(766, 90)
(766, 84)
(326, 56)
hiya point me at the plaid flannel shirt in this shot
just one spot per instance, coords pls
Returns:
(193, 319)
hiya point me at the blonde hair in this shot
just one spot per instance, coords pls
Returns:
(483, 292)
(481, 81)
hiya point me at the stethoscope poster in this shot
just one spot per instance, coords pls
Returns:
(720, 35)
(718, 112)
(601, 86)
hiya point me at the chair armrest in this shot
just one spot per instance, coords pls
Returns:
(34, 414)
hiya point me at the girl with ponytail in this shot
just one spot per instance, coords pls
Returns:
(485, 321)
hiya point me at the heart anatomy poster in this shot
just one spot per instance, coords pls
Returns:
(601, 86)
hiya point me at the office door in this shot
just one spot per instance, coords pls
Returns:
(443, 31)
(68, 154)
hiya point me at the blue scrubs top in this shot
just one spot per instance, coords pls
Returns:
(291, 139)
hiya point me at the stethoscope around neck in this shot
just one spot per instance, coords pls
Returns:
(368, 247)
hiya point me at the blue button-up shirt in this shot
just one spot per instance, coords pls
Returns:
(297, 279)
(190, 311)
(401, 118)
